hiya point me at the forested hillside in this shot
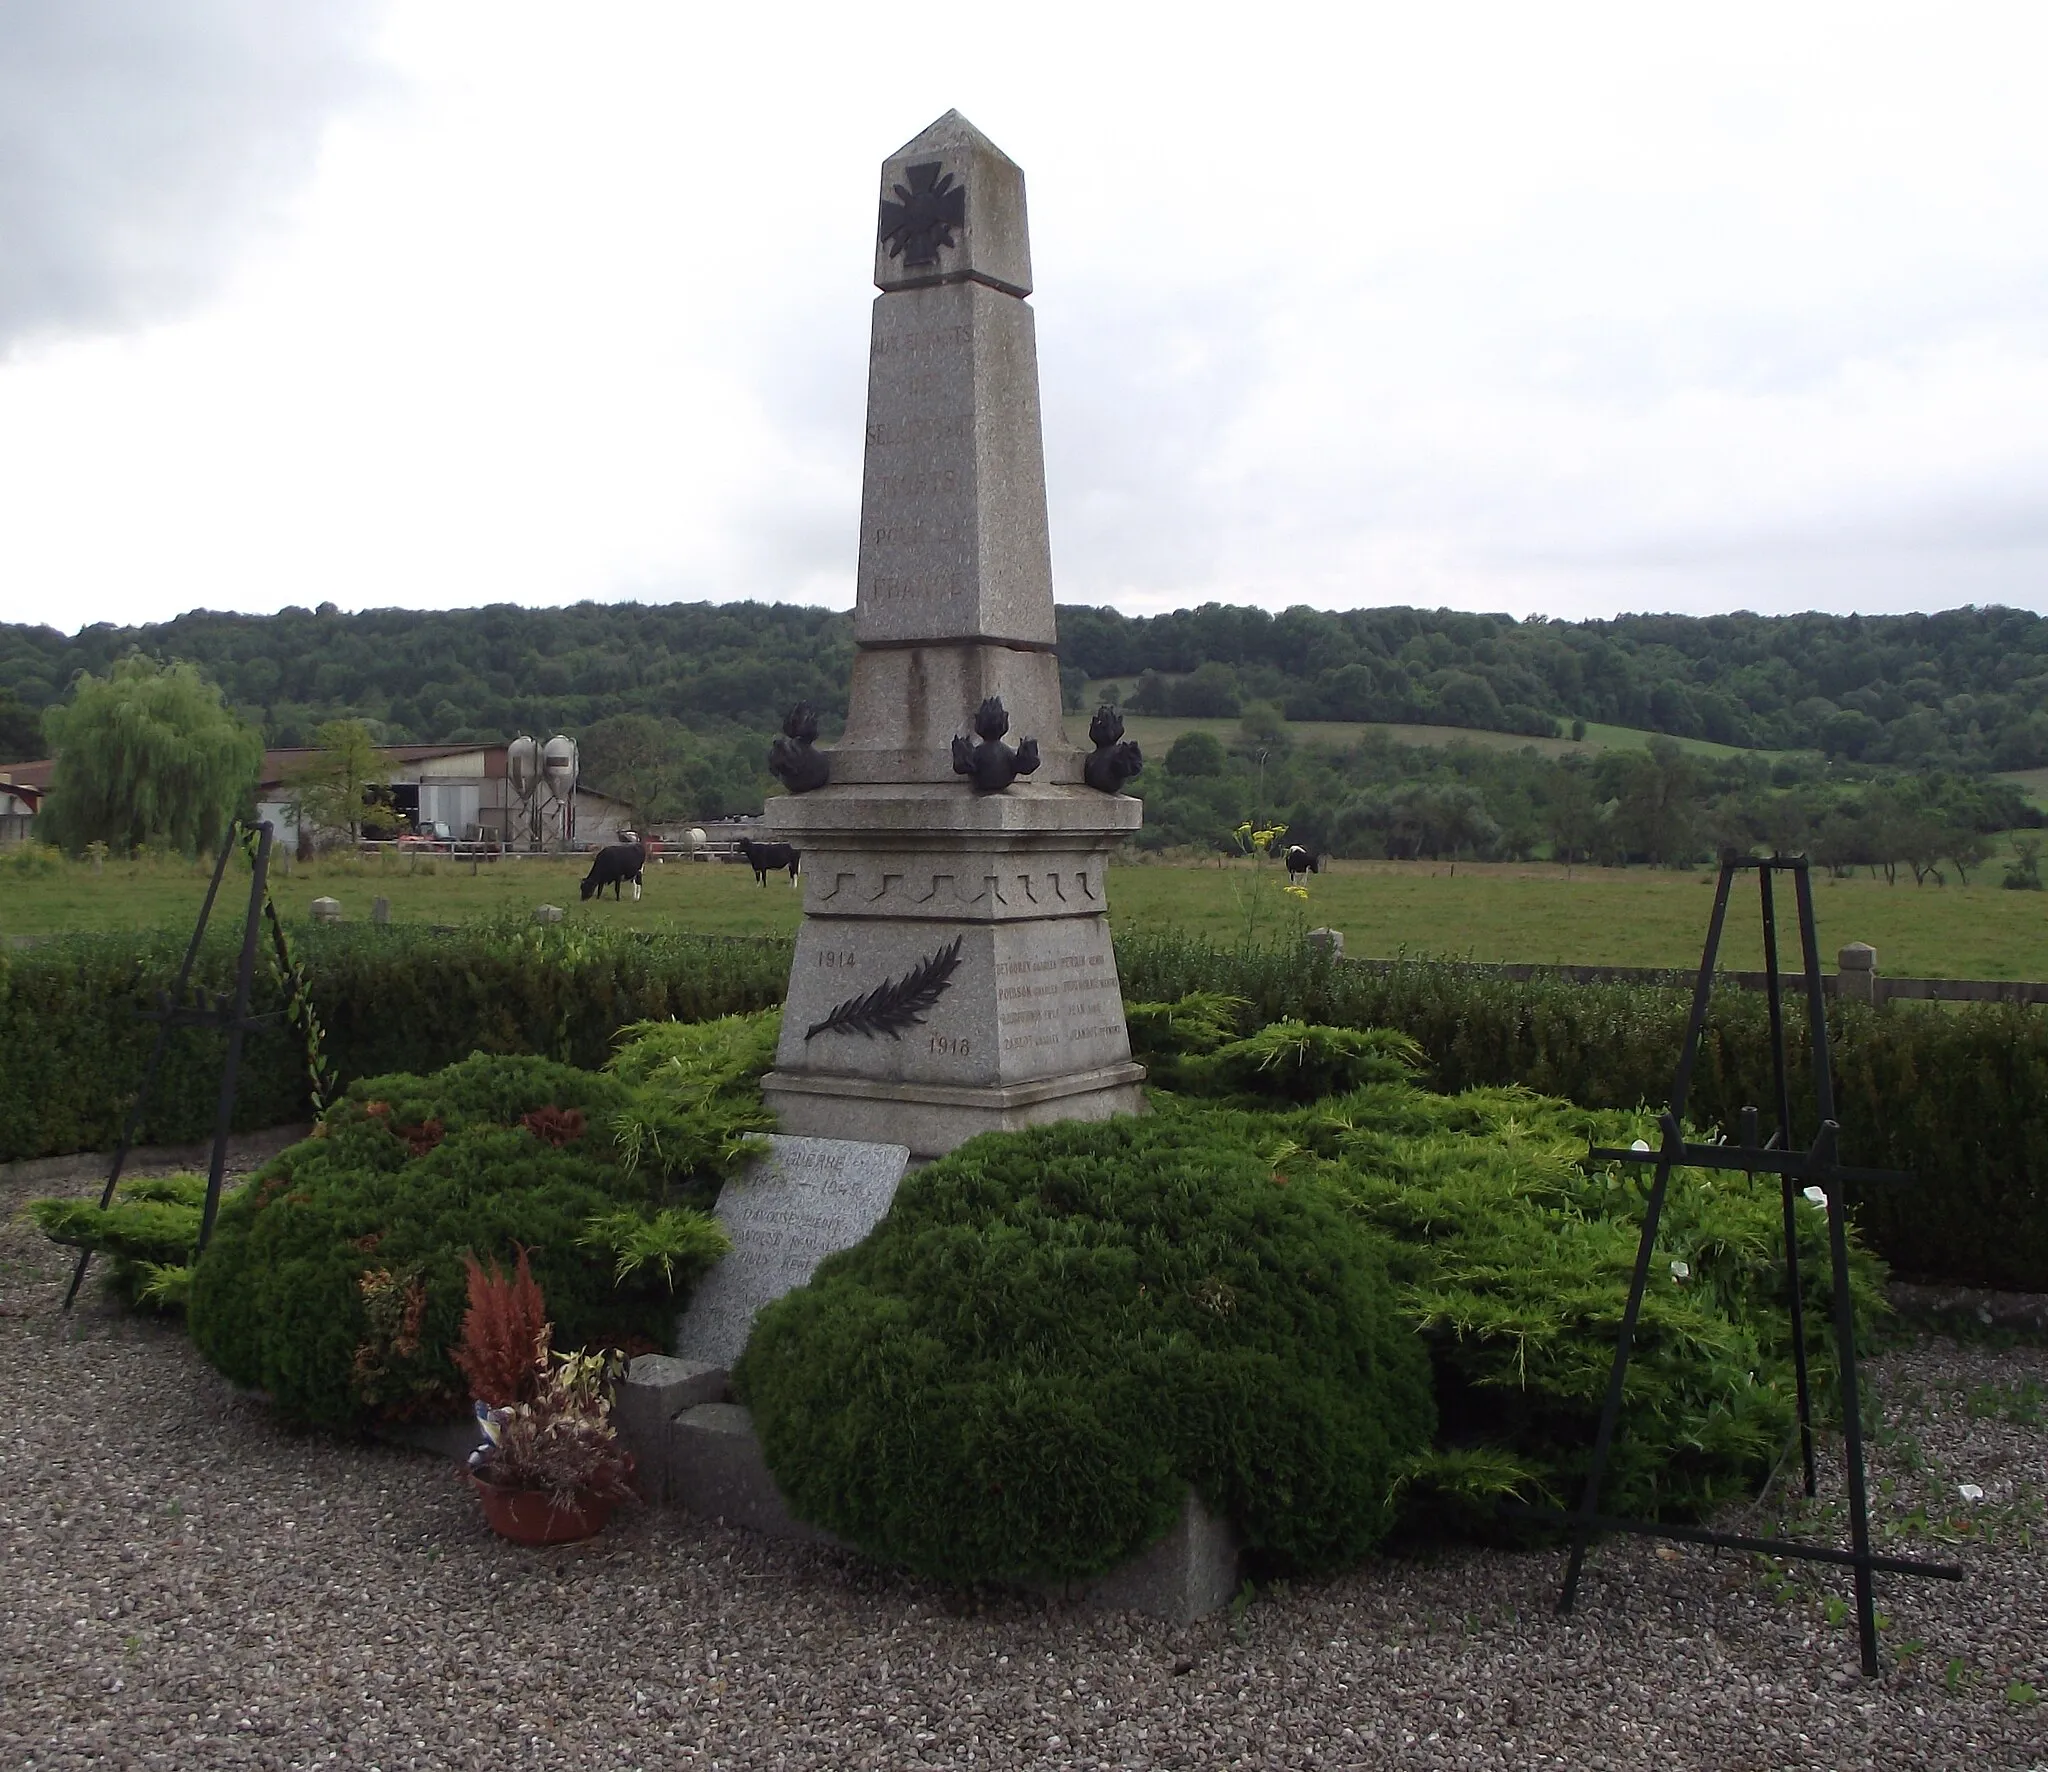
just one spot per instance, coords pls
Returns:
(475, 674)
(1964, 690)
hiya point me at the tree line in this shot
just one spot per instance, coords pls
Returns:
(1963, 690)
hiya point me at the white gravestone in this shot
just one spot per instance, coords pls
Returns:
(806, 1199)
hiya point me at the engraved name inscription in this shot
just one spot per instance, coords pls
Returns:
(933, 341)
(1055, 1001)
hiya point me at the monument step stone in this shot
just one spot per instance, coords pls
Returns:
(714, 1469)
(656, 1390)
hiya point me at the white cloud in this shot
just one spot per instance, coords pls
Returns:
(1561, 310)
(143, 143)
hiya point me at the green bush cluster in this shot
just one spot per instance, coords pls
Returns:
(335, 1282)
(1329, 1299)
(1514, 1260)
(73, 1046)
(147, 1234)
(1957, 1094)
(1054, 1332)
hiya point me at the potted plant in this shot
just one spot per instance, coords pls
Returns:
(550, 1469)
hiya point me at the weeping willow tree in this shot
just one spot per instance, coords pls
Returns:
(149, 753)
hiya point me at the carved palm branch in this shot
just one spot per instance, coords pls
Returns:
(897, 1003)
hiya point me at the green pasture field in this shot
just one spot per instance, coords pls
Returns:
(1540, 913)
(1532, 912)
(2031, 782)
(1155, 732)
(716, 898)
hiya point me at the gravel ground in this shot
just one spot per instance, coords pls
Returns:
(186, 1584)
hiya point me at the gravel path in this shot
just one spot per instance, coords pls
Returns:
(186, 1585)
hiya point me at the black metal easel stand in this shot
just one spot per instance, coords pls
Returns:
(1819, 1166)
(226, 1009)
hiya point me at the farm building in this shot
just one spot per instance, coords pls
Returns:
(20, 796)
(466, 788)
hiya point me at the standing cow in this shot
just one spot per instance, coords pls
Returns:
(1300, 862)
(769, 858)
(613, 866)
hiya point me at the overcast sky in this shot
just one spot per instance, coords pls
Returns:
(1564, 310)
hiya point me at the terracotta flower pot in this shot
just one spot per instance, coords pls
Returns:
(530, 1516)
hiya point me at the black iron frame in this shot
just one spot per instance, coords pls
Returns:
(224, 1009)
(1817, 1165)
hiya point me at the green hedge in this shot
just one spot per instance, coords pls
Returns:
(398, 998)
(1958, 1094)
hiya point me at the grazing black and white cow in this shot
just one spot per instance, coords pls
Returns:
(613, 866)
(1300, 862)
(769, 858)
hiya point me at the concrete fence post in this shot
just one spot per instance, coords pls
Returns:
(1857, 980)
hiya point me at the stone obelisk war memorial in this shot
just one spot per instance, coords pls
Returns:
(953, 973)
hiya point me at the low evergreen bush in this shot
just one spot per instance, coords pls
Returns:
(1383, 1305)
(1955, 1093)
(1513, 1260)
(336, 1279)
(147, 1234)
(1054, 1332)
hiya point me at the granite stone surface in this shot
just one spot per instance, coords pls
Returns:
(909, 701)
(785, 1212)
(1018, 1002)
(954, 542)
(992, 240)
(1188, 1574)
(933, 1119)
(716, 1472)
(953, 973)
(658, 1389)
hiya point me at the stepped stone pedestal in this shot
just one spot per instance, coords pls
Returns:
(953, 974)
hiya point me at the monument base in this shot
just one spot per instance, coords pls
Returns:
(934, 1118)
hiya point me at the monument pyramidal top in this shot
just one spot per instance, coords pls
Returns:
(952, 211)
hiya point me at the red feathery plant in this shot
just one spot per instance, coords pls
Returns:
(505, 1334)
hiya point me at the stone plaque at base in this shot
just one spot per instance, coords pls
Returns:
(785, 1212)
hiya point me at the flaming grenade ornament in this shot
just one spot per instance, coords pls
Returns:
(992, 764)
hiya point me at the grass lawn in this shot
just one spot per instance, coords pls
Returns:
(1482, 911)
(1610, 916)
(716, 898)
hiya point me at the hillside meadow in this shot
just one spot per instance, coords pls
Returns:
(1156, 733)
(1532, 912)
